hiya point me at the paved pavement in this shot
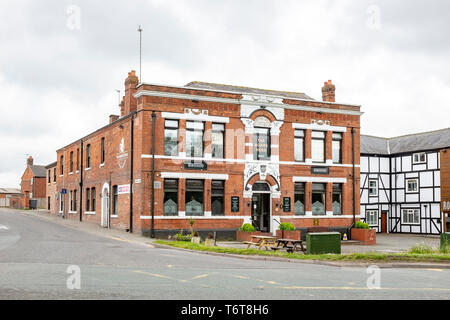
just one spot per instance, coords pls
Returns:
(386, 243)
(36, 252)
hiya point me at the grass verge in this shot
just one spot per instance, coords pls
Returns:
(355, 257)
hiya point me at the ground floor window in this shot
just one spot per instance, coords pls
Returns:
(170, 197)
(61, 202)
(93, 199)
(372, 217)
(337, 198)
(115, 201)
(74, 200)
(194, 197)
(299, 198)
(88, 199)
(218, 197)
(411, 216)
(318, 199)
(48, 203)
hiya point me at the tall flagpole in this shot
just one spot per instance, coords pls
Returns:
(140, 54)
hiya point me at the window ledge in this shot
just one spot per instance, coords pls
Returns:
(70, 173)
(90, 213)
(72, 211)
(87, 169)
(102, 165)
(114, 216)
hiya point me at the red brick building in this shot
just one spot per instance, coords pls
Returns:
(224, 155)
(33, 184)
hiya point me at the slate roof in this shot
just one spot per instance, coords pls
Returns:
(10, 190)
(432, 140)
(246, 90)
(38, 171)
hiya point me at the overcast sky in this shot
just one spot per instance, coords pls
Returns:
(61, 61)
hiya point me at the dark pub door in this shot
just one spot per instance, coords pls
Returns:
(261, 211)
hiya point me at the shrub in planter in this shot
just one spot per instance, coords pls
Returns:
(247, 227)
(245, 232)
(287, 231)
(363, 233)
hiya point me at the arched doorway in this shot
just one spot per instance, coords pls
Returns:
(261, 206)
(105, 206)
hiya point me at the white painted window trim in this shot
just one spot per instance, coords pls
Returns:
(377, 217)
(317, 127)
(183, 217)
(192, 117)
(191, 175)
(376, 187)
(410, 223)
(407, 187)
(419, 162)
(319, 179)
(307, 162)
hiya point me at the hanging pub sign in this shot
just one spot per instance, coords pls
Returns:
(320, 170)
(234, 204)
(287, 204)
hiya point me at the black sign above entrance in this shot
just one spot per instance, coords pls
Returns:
(234, 204)
(195, 165)
(320, 170)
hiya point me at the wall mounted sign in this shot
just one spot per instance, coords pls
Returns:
(320, 170)
(122, 156)
(63, 191)
(195, 165)
(234, 204)
(446, 206)
(123, 189)
(286, 204)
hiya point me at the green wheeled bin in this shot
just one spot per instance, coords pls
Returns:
(323, 242)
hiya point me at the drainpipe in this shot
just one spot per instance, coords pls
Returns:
(353, 177)
(131, 171)
(152, 232)
(80, 163)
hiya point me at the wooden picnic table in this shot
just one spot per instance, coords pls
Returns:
(290, 245)
(262, 241)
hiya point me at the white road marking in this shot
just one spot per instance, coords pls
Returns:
(2, 227)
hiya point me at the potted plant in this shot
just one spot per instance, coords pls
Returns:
(245, 232)
(210, 241)
(196, 238)
(362, 232)
(287, 231)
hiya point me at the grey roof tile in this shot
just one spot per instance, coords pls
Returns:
(247, 90)
(438, 139)
(38, 171)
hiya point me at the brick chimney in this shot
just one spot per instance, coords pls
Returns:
(329, 92)
(30, 161)
(130, 102)
(113, 118)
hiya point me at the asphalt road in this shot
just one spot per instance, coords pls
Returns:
(35, 255)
